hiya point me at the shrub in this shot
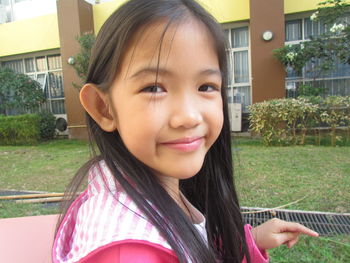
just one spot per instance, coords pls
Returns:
(47, 125)
(266, 118)
(21, 129)
(286, 121)
(335, 112)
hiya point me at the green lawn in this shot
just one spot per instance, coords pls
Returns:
(274, 176)
(264, 176)
(46, 167)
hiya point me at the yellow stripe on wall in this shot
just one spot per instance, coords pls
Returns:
(296, 6)
(29, 35)
(223, 10)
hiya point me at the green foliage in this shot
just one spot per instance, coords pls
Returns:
(287, 121)
(47, 125)
(310, 91)
(27, 129)
(323, 51)
(21, 129)
(292, 56)
(82, 59)
(18, 92)
(335, 112)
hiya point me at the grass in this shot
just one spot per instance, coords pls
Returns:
(314, 250)
(274, 176)
(45, 167)
(11, 209)
(265, 177)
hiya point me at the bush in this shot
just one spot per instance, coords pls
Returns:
(21, 129)
(286, 121)
(335, 112)
(47, 125)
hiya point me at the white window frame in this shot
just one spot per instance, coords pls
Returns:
(232, 86)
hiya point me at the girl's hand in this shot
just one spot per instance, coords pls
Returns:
(276, 232)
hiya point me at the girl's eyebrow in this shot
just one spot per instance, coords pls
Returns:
(163, 71)
(150, 70)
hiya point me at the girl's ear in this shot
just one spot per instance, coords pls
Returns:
(96, 103)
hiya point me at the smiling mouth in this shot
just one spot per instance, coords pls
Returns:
(185, 144)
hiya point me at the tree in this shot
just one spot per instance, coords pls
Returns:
(81, 60)
(18, 92)
(325, 51)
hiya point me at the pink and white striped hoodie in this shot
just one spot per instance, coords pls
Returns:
(104, 214)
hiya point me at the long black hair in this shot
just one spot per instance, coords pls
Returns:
(212, 189)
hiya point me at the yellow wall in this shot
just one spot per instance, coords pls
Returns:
(29, 35)
(223, 10)
(295, 6)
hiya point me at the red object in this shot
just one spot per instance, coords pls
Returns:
(27, 239)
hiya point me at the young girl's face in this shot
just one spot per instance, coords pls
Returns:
(166, 101)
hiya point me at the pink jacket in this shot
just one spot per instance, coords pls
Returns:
(104, 225)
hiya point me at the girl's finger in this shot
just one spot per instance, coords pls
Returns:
(295, 227)
(287, 237)
(292, 242)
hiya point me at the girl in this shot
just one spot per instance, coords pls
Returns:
(156, 108)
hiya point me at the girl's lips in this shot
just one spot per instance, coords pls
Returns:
(185, 144)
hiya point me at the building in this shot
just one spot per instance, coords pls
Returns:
(40, 42)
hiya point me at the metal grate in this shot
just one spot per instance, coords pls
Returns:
(323, 223)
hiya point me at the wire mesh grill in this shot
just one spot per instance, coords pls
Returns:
(324, 223)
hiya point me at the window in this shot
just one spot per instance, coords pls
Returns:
(239, 90)
(294, 30)
(335, 81)
(47, 70)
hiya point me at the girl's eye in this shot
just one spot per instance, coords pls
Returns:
(153, 89)
(207, 88)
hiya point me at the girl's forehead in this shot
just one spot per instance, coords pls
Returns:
(154, 43)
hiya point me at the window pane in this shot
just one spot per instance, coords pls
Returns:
(41, 63)
(239, 37)
(58, 106)
(54, 62)
(29, 65)
(15, 65)
(242, 95)
(241, 67)
(293, 30)
(56, 84)
(291, 73)
(313, 28)
(45, 106)
(41, 78)
(334, 87)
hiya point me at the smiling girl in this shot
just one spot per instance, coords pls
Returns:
(161, 189)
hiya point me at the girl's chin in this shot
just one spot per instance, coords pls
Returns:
(183, 175)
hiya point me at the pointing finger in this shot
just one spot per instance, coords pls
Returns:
(295, 227)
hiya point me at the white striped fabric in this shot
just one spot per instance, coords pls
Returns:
(101, 215)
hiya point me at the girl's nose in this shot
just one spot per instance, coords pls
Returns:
(186, 114)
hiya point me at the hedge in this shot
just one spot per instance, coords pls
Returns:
(21, 129)
(287, 121)
(26, 129)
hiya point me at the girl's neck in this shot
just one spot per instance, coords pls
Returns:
(171, 185)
